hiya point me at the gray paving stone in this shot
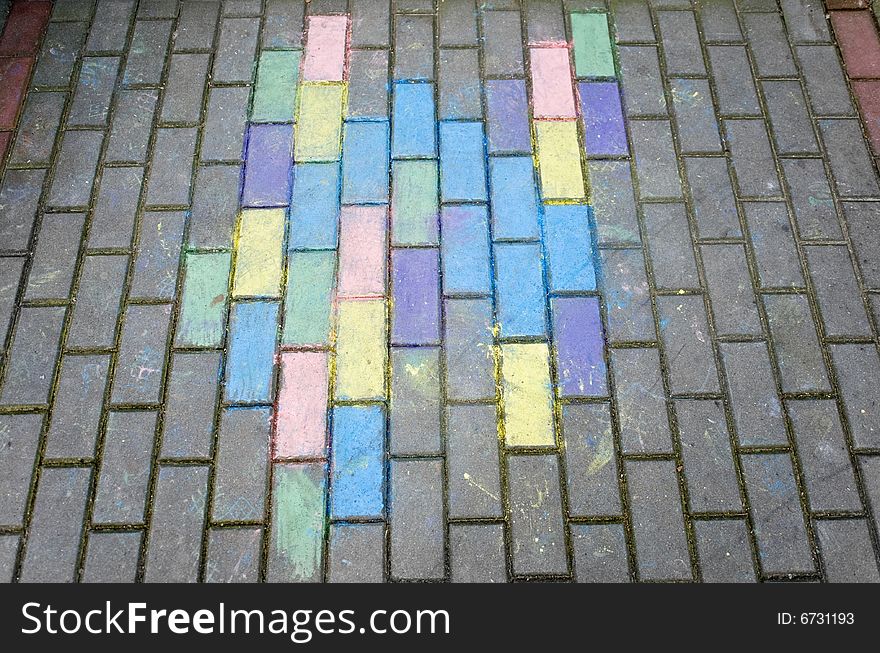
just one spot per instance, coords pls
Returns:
(225, 124)
(468, 347)
(367, 86)
(457, 21)
(174, 546)
(718, 19)
(196, 24)
(158, 9)
(369, 23)
(115, 208)
(632, 21)
(849, 158)
(724, 551)
(20, 438)
(796, 344)
(640, 401)
(590, 461)
(712, 200)
(32, 356)
(694, 115)
(476, 553)
(236, 50)
(544, 21)
(215, 206)
(413, 47)
(58, 54)
(627, 297)
(773, 245)
(10, 277)
(474, 485)
(769, 45)
(681, 43)
(242, 7)
(94, 91)
(731, 296)
(537, 531)
(233, 555)
(146, 55)
(415, 401)
(823, 75)
(8, 555)
(847, 552)
(357, 553)
(734, 85)
(502, 39)
(241, 464)
(858, 371)
(141, 360)
(19, 193)
(613, 202)
(54, 260)
(870, 469)
(669, 245)
(685, 336)
(56, 526)
(792, 130)
(754, 404)
(70, 10)
(777, 518)
(185, 88)
(752, 158)
(860, 220)
(417, 534)
(811, 199)
(124, 475)
(76, 412)
(600, 553)
(158, 255)
(641, 82)
(805, 20)
(75, 169)
(171, 172)
(837, 291)
(706, 453)
(657, 520)
(37, 127)
(191, 401)
(459, 84)
(112, 557)
(655, 159)
(823, 454)
(97, 302)
(130, 130)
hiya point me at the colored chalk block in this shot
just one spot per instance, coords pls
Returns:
(251, 360)
(258, 253)
(527, 395)
(604, 130)
(365, 162)
(362, 251)
(275, 93)
(519, 290)
(309, 298)
(267, 171)
(514, 198)
(357, 466)
(301, 424)
(462, 162)
(203, 306)
(360, 349)
(559, 160)
(552, 91)
(568, 248)
(507, 116)
(314, 206)
(296, 540)
(579, 347)
(319, 122)
(412, 131)
(465, 248)
(416, 296)
(592, 46)
(325, 48)
(415, 204)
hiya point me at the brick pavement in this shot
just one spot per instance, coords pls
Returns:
(453, 290)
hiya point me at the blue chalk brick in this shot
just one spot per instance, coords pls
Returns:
(365, 163)
(253, 330)
(314, 206)
(568, 248)
(514, 198)
(412, 133)
(462, 162)
(519, 289)
(465, 248)
(357, 466)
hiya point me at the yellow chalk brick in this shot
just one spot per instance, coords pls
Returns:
(259, 249)
(527, 394)
(559, 159)
(360, 349)
(319, 122)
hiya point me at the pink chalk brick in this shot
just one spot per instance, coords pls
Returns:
(362, 251)
(552, 94)
(325, 49)
(301, 425)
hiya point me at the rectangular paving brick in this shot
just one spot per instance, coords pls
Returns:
(568, 250)
(856, 34)
(527, 395)
(10, 277)
(502, 38)
(141, 358)
(171, 172)
(810, 192)
(791, 127)
(301, 424)
(465, 250)
(559, 160)
(592, 45)
(416, 296)
(468, 349)
(94, 90)
(590, 461)
(236, 50)
(459, 84)
(681, 43)
(801, 367)
(824, 79)
(203, 303)
(356, 553)
(295, 538)
(414, 422)
(233, 555)
(195, 25)
(476, 553)
(473, 478)
(115, 208)
(685, 337)
(769, 45)
(846, 549)
(319, 122)
(604, 130)
(552, 95)
(22, 435)
(672, 255)
(733, 80)
(457, 22)
(97, 305)
(38, 127)
(417, 539)
(369, 23)
(613, 202)
(112, 557)
(462, 162)
(367, 87)
(773, 245)
(712, 200)
(519, 289)
(131, 125)
(544, 21)
(357, 469)
(804, 20)
(19, 195)
(859, 221)
(314, 206)
(307, 304)
(641, 81)
(24, 26)
(730, 290)
(54, 261)
(146, 59)
(365, 158)
(14, 73)
(324, 58)
(579, 347)
(361, 349)
(75, 169)
(514, 201)
(655, 159)
(155, 265)
(507, 117)
(31, 357)
(76, 411)
(250, 363)
(632, 21)
(599, 553)
(856, 369)
(267, 166)
(188, 426)
(752, 158)
(837, 291)
(640, 402)
(241, 465)
(849, 158)
(627, 298)
(724, 550)
(694, 116)
(362, 251)
(414, 60)
(224, 131)
(58, 54)
(185, 88)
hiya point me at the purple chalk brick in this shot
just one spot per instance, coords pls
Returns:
(580, 347)
(416, 293)
(507, 116)
(604, 131)
(267, 172)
